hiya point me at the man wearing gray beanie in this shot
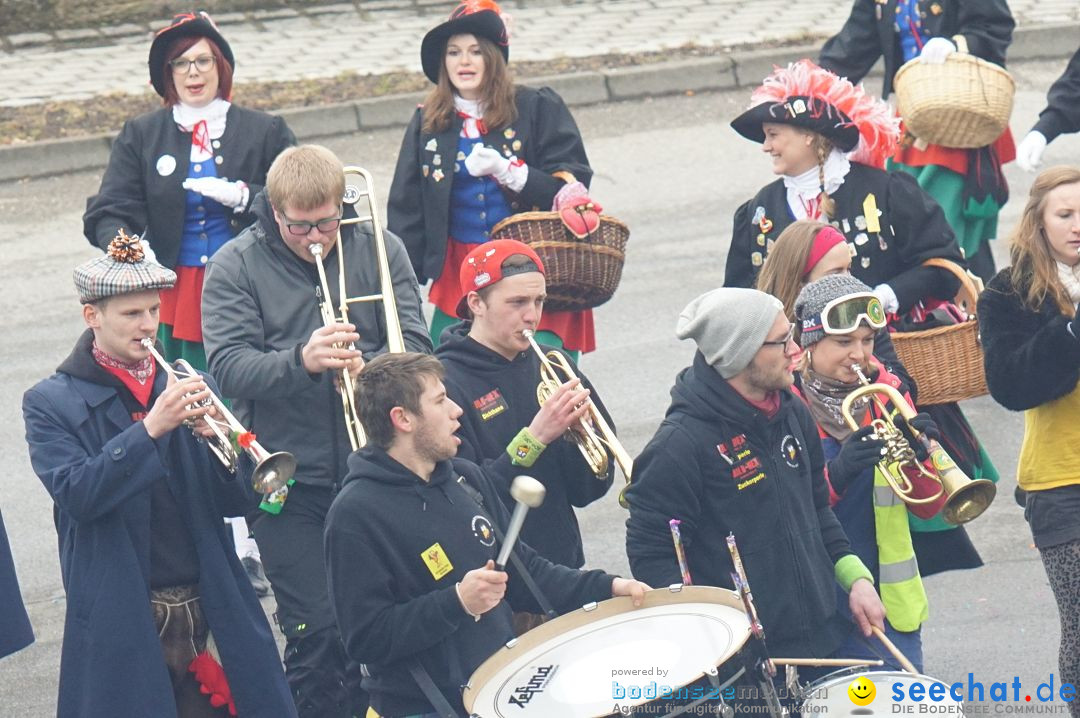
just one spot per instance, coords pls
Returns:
(738, 453)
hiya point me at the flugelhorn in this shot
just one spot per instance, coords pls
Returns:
(966, 498)
(272, 471)
(592, 434)
(395, 341)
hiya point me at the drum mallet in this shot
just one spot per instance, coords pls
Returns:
(900, 657)
(529, 494)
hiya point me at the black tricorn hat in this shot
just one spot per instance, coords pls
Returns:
(472, 17)
(186, 25)
(810, 113)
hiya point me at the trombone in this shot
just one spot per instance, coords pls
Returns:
(272, 471)
(592, 434)
(966, 498)
(394, 340)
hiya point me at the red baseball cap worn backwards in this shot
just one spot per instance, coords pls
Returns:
(482, 267)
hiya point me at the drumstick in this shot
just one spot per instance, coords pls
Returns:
(825, 662)
(900, 657)
(529, 493)
(679, 553)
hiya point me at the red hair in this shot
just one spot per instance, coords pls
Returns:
(181, 45)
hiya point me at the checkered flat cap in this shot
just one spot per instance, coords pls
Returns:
(123, 269)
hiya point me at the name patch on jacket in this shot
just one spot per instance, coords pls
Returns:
(490, 405)
(437, 561)
(745, 467)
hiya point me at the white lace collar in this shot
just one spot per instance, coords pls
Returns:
(803, 189)
(214, 113)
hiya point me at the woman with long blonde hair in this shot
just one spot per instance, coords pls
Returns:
(1031, 343)
(480, 149)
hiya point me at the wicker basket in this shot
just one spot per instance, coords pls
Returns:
(963, 103)
(946, 362)
(581, 273)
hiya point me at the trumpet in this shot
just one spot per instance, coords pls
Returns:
(592, 434)
(272, 471)
(966, 498)
(395, 341)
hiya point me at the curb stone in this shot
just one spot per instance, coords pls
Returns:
(724, 72)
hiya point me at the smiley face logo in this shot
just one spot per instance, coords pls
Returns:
(862, 691)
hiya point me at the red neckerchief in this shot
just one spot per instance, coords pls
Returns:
(137, 377)
(812, 207)
(200, 137)
(480, 126)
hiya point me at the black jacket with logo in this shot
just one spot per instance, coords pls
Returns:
(870, 33)
(396, 546)
(499, 400)
(720, 466)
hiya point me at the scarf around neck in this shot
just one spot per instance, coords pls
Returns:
(141, 371)
(804, 190)
(1070, 279)
(824, 396)
(473, 115)
(204, 123)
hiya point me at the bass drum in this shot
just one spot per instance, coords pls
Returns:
(611, 659)
(828, 696)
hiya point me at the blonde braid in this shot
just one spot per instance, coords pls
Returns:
(823, 147)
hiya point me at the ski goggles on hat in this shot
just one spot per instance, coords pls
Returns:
(843, 314)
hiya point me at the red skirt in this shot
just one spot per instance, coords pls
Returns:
(574, 328)
(181, 306)
(953, 158)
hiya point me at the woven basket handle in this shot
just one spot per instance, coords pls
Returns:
(970, 286)
(567, 177)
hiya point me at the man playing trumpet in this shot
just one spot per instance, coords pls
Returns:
(139, 503)
(492, 372)
(280, 362)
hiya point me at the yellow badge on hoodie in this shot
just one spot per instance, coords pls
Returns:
(437, 561)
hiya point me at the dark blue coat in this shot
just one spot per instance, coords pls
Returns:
(15, 630)
(99, 467)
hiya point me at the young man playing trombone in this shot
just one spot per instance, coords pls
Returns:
(154, 587)
(492, 372)
(278, 344)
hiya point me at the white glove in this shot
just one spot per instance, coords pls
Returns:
(1029, 151)
(888, 298)
(936, 50)
(230, 194)
(484, 161)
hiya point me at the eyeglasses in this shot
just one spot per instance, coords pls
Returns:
(301, 229)
(783, 342)
(843, 314)
(182, 65)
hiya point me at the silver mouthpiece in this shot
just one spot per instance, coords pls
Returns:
(315, 249)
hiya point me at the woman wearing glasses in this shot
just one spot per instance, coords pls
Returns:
(1027, 318)
(479, 150)
(183, 177)
(838, 317)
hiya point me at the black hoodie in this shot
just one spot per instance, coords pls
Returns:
(485, 384)
(719, 465)
(395, 548)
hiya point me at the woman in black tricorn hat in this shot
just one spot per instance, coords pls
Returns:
(479, 149)
(828, 140)
(183, 177)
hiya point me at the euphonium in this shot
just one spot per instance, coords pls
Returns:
(592, 434)
(272, 471)
(966, 498)
(395, 341)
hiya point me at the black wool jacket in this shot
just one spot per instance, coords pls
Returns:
(395, 547)
(144, 196)
(870, 32)
(498, 398)
(544, 136)
(1062, 113)
(720, 466)
(912, 227)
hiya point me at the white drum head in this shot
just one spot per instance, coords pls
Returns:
(567, 667)
(829, 696)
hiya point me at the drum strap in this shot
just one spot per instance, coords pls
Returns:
(519, 566)
(431, 691)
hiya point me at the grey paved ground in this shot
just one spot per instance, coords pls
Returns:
(284, 45)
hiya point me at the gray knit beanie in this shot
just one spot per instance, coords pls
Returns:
(729, 325)
(813, 298)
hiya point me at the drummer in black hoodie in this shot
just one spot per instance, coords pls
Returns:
(410, 543)
(492, 373)
(738, 453)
